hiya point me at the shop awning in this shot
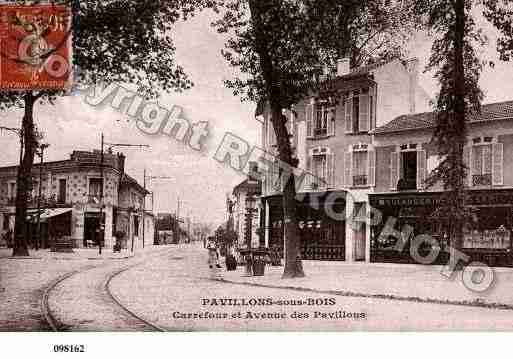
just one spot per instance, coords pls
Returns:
(47, 213)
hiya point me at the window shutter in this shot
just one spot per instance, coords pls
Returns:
(364, 120)
(421, 169)
(348, 167)
(330, 162)
(331, 122)
(394, 170)
(467, 160)
(309, 120)
(271, 134)
(348, 115)
(309, 175)
(371, 160)
(498, 164)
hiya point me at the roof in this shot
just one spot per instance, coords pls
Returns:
(364, 70)
(249, 186)
(130, 181)
(426, 120)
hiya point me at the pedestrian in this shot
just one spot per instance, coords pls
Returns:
(9, 238)
(213, 254)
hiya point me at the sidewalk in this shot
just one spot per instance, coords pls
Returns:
(79, 254)
(388, 281)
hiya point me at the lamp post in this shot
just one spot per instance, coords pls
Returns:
(250, 209)
(42, 148)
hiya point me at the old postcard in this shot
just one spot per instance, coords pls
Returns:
(243, 165)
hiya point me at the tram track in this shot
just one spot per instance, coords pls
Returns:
(102, 292)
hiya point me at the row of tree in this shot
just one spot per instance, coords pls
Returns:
(280, 48)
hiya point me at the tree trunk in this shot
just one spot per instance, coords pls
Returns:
(293, 266)
(459, 122)
(292, 243)
(20, 247)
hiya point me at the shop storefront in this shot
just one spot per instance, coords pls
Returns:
(487, 235)
(321, 229)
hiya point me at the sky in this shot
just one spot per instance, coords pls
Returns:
(199, 181)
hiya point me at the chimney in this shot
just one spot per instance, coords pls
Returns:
(412, 66)
(343, 66)
(121, 162)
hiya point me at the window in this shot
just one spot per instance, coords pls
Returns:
(482, 165)
(408, 168)
(95, 187)
(485, 159)
(321, 168)
(360, 168)
(136, 201)
(320, 119)
(359, 111)
(62, 191)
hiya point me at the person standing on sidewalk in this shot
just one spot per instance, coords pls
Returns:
(213, 254)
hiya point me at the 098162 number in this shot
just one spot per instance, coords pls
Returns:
(65, 348)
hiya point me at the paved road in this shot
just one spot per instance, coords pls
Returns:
(177, 292)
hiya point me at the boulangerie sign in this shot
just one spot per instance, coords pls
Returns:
(35, 51)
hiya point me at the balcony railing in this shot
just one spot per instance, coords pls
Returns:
(360, 180)
(407, 184)
(482, 180)
(320, 132)
(314, 183)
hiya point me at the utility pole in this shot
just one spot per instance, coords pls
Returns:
(177, 221)
(144, 206)
(102, 224)
(111, 146)
(41, 154)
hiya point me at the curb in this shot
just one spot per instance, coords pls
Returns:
(341, 293)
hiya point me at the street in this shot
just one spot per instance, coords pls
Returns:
(173, 289)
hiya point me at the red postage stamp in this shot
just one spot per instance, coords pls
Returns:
(35, 47)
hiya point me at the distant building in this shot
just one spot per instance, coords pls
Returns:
(71, 201)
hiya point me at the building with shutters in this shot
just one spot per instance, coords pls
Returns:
(331, 137)
(70, 202)
(405, 157)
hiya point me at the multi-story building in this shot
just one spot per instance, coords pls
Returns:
(331, 137)
(70, 200)
(405, 157)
